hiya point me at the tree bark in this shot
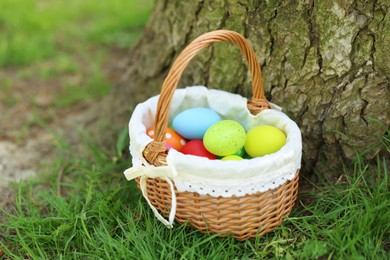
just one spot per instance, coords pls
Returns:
(325, 62)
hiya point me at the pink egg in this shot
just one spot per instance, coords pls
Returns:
(196, 147)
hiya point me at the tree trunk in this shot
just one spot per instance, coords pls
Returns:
(325, 62)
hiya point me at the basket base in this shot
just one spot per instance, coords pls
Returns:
(241, 217)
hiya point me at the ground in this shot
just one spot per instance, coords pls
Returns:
(31, 122)
(56, 60)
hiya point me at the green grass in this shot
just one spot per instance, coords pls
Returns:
(33, 30)
(94, 87)
(56, 56)
(52, 40)
(82, 207)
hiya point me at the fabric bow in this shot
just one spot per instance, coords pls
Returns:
(164, 172)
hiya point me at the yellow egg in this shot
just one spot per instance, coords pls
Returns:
(231, 158)
(265, 139)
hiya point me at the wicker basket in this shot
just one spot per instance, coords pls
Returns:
(242, 217)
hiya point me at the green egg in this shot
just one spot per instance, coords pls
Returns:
(224, 138)
(247, 156)
(241, 152)
(231, 158)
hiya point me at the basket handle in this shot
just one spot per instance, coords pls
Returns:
(155, 152)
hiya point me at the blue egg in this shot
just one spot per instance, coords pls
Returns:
(193, 123)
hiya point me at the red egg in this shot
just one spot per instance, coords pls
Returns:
(173, 139)
(196, 147)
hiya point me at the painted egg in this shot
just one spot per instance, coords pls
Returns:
(224, 138)
(265, 139)
(247, 156)
(194, 122)
(241, 153)
(231, 158)
(196, 147)
(173, 139)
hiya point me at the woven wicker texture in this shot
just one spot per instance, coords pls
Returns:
(242, 217)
